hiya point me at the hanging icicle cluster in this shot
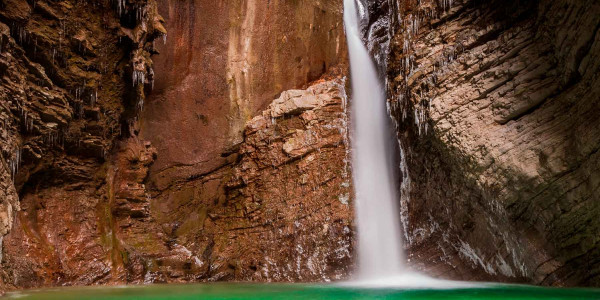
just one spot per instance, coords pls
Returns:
(419, 100)
(54, 138)
(84, 95)
(446, 4)
(19, 33)
(139, 77)
(141, 11)
(120, 7)
(141, 16)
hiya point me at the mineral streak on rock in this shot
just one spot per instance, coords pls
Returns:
(273, 212)
(278, 210)
(99, 205)
(222, 64)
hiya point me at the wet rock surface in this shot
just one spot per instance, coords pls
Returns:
(497, 110)
(222, 64)
(279, 210)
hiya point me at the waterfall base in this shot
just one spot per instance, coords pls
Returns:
(410, 280)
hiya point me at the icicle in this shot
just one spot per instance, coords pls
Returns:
(139, 77)
(14, 163)
(120, 6)
(140, 104)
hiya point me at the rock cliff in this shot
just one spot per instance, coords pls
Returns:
(235, 167)
(73, 78)
(497, 111)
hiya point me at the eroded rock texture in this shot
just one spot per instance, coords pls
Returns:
(222, 64)
(279, 210)
(497, 105)
(236, 168)
(188, 184)
(72, 78)
(232, 195)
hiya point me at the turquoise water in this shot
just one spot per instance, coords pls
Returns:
(228, 291)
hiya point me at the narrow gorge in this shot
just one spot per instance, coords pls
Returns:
(160, 141)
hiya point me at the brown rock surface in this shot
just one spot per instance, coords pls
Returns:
(65, 73)
(222, 64)
(269, 215)
(245, 172)
(498, 111)
(204, 201)
(252, 219)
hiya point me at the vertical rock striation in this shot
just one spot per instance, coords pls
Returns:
(223, 64)
(236, 166)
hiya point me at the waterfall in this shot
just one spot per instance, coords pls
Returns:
(379, 244)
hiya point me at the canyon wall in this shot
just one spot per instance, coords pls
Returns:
(235, 167)
(234, 196)
(222, 64)
(67, 71)
(225, 156)
(497, 111)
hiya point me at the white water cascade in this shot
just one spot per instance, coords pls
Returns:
(380, 255)
(379, 244)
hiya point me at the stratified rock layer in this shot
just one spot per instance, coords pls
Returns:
(496, 106)
(72, 76)
(279, 210)
(498, 111)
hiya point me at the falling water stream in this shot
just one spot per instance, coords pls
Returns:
(380, 254)
(379, 244)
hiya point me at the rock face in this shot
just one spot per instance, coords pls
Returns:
(66, 98)
(279, 210)
(236, 165)
(498, 114)
(222, 64)
(214, 194)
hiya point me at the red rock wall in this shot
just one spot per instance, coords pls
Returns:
(225, 62)
(205, 198)
(66, 70)
(236, 166)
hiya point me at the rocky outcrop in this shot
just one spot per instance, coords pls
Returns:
(8, 206)
(236, 166)
(222, 65)
(497, 111)
(279, 210)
